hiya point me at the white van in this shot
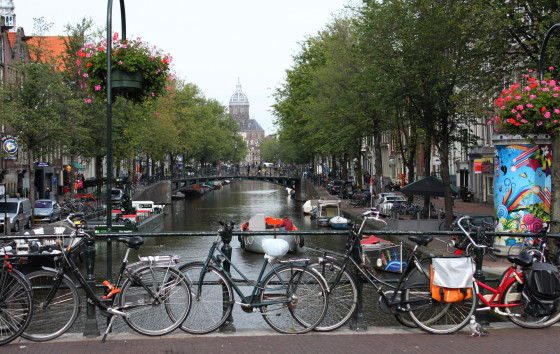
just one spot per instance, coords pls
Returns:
(146, 205)
(18, 211)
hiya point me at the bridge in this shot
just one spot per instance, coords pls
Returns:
(178, 185)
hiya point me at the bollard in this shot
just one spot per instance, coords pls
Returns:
(91, 329)
(481, 316)
(357, 322)
(228, 326)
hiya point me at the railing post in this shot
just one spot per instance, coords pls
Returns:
(478, 274)
(357, 322)
(228, 326)
(91, 329)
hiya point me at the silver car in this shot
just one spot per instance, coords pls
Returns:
(47, 210)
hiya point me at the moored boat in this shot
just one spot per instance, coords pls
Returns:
(339, 222)
(326, 209)
(260, 222)
(308, 206)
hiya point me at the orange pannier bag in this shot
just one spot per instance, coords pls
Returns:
(442, 294)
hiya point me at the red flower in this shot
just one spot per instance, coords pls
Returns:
(89, 64)
(165, 61)
(512, 121)
(543, 109)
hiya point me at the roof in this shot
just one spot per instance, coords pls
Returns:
(252, 125)
(54, 44)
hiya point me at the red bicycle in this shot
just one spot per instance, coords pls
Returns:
(506, 298)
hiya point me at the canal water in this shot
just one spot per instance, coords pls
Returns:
(237, 201)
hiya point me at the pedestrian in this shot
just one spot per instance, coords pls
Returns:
(286, 224)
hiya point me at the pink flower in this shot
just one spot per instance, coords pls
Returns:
(86, 75)
(532, 97)
(529, 105)
(547, 115)
(97, 87)
(120, 62)
(524, 121)
(168, 88)
(519, 107)
(153, 94)
(157, 113)
(527, 88)
(513, 111)
(557, 111)
(539, 123)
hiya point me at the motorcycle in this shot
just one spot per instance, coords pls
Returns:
(465, 195)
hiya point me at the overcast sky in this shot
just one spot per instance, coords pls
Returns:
(213, 42)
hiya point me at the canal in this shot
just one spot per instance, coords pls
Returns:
(237, 201)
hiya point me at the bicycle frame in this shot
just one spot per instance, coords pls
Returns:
(217, 260)
(494, 299)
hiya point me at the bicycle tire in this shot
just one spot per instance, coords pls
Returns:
(512, 295)
(61, 312)
(435, 317)
(301, 296)
(343, 297)
(211, 309)
(16, 304)
(155, 316)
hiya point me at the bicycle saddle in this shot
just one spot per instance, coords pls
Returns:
(421, 240)
(523, 259)
(131, 241)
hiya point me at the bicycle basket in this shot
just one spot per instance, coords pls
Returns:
(451, 279)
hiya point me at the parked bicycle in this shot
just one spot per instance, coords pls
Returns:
(15, 301)
(538, 246)
(410, 300)
(506, 299)
(460, 244)
(292, 296)
(151, 295)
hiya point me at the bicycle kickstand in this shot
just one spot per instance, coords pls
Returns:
(108, 328)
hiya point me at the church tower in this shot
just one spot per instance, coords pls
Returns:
(7, 15)
(239, 106)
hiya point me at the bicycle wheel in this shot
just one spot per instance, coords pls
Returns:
(297, 299)
(160, 312)
(212, 307)
(61, 312)
(16, 305)
(343, 297)
(517, 314)
(435, 317)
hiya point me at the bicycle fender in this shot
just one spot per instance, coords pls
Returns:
(418, 279)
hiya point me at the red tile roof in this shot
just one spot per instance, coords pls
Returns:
(55, 45)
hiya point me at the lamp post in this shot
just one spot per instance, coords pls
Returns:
(3, 194)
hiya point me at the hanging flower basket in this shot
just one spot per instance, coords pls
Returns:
(529, 108)
(139, 71)
(126, 83)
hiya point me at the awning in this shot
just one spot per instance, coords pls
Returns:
(78, 166)
(430, 186)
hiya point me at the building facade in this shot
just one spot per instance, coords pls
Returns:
(251, 131)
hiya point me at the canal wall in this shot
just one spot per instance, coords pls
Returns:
(159, 193)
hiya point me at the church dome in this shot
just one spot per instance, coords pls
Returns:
(238, 98)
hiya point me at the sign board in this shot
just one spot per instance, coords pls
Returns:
(2, 190)
(436, 161)
(477, 166)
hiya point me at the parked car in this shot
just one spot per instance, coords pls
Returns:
(335, 186)
(18, 211)
(386, 203)
(117, 196)
(383, 194)
(47, 210)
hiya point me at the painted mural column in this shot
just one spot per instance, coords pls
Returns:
(522, 186)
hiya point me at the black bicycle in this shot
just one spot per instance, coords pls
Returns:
(151, 295)
(410, 300)
(15, 301)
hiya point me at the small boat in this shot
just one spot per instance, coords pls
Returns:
(326, 209)
(261, 223)
(308, 206)
(382, 254)
(339, 222)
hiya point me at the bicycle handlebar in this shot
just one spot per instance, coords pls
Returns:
(468, 235)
